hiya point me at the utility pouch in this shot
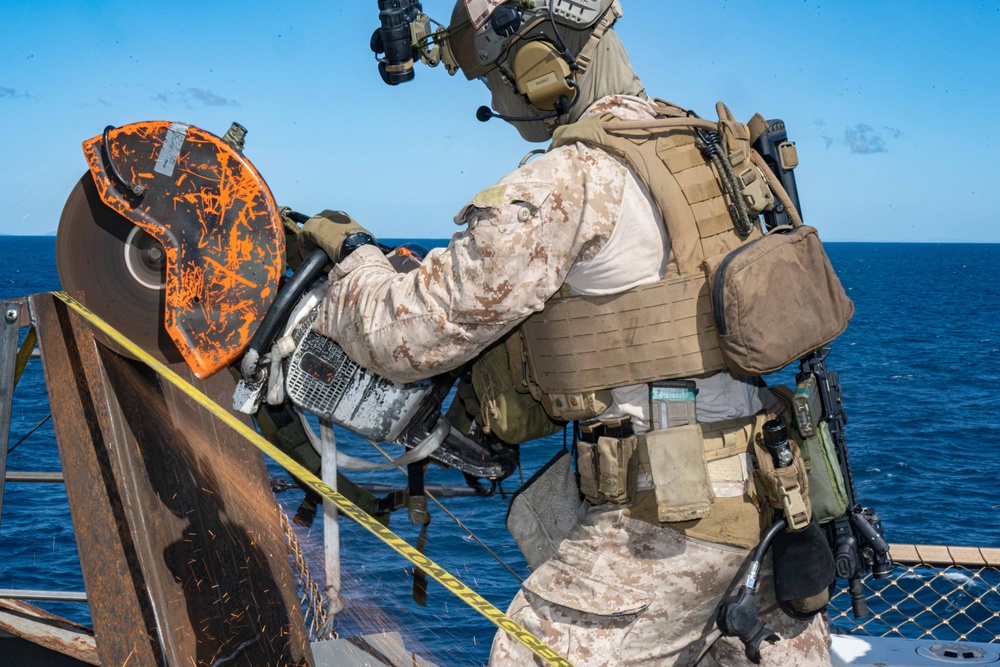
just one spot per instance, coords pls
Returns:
(736, 138)
(506, 412)
(827, 491)
(608, 466)
(543, 512)
(786, 489)
(803, 571)
(775, 299)
(680, 476)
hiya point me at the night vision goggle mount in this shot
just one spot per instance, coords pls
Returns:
(405, 35)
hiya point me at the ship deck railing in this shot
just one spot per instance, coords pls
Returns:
(944, 593)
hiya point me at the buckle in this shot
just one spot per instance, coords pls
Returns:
(612, 428)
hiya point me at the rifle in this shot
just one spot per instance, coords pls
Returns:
(779, 154)
(855, 535)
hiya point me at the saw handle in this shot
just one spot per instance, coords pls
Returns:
(133, 188)
(277, 314)
(288, 296)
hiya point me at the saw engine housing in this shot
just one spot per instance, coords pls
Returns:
(320, 378)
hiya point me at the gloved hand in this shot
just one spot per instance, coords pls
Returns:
(328, 231)
(292, 255)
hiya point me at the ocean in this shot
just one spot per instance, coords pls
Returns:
(920, 369)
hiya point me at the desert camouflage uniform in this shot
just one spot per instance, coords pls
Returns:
(625, 592)
(524, 235)
(620, 591)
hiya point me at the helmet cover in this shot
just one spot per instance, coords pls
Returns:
(476, 44)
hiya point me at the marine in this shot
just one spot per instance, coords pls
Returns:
(616, 222)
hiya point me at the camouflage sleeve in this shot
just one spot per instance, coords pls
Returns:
(523, 236)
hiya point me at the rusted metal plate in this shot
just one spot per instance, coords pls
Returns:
(177, 529)
(209, 530)
(88, 427)
(37, 626)
(25, 314)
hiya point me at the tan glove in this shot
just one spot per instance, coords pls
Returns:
(327, 231)
(292, 255)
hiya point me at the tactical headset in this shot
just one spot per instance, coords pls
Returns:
(541, 72)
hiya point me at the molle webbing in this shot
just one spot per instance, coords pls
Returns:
(658, 331)
(666, 157)
(661, 330)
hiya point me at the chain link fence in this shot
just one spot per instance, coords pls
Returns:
(936, 592)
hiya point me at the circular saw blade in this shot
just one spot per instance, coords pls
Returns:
(118, 267)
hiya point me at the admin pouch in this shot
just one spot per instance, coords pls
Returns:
(543, 512)
(505, 410)
(775, 299)
(680, 474)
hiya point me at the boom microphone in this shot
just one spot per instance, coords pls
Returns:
(484, 114)
(562, 107)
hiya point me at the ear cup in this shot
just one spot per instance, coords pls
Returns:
(541, 73)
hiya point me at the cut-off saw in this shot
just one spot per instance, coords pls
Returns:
(175, 240)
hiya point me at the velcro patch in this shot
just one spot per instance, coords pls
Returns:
(493, 197)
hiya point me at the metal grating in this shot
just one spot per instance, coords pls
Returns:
(941, 593)
(307, 391)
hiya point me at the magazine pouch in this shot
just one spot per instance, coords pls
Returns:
(776, 299)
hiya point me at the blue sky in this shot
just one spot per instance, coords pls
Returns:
(891, 104)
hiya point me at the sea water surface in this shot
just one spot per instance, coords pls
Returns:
(920, 369)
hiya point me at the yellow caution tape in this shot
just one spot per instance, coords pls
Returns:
(27, 347)
(435, 571)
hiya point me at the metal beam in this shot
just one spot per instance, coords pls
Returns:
(89, 428)
(215, 557)
(50, 596)
(437, 490)
(10, 323)
(48, 477)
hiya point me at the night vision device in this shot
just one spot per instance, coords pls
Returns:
(404, 36)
